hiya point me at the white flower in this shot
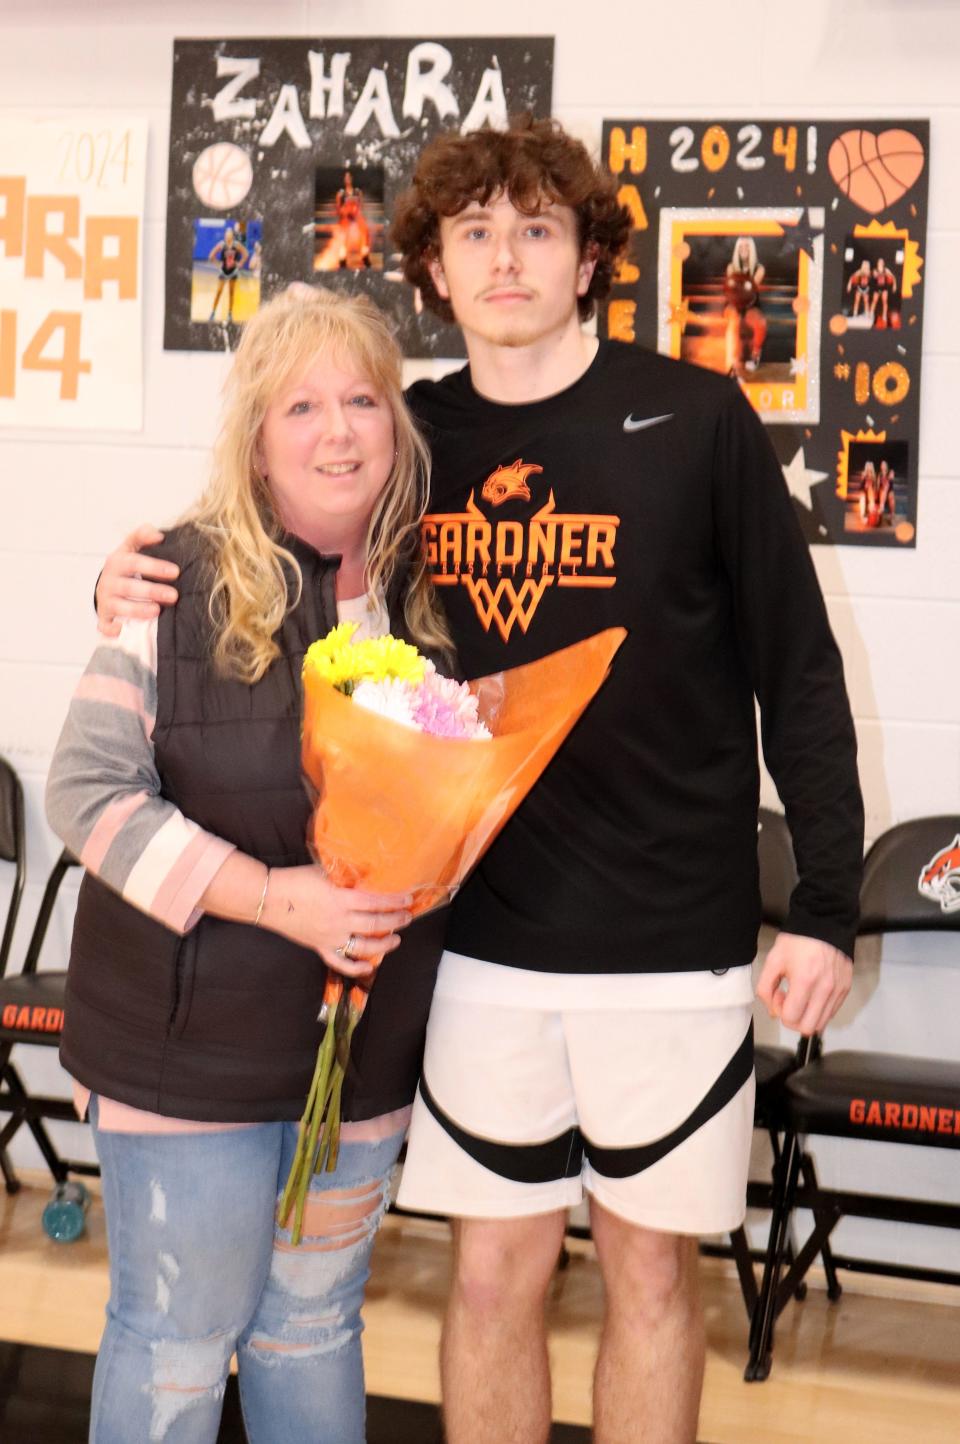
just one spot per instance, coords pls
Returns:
(390, 698)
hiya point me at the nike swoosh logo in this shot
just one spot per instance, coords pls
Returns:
(631, 425)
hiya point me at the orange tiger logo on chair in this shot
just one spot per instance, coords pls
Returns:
(940, 879)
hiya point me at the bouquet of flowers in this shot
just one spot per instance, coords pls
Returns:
(414, 775)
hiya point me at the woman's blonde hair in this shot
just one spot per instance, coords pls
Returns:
(256, 578)
(752, 261)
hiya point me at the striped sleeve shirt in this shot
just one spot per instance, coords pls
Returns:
(103, 789)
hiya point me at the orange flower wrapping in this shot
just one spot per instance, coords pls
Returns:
(399, 810)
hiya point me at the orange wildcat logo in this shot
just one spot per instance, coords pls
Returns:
(509, 482)
(940, 879)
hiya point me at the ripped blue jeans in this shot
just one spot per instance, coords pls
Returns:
(198, 1270)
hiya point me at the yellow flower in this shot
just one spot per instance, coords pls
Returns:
(331, 659)
(343, 663)
(388, 659)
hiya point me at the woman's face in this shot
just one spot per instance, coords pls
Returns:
(327, 448)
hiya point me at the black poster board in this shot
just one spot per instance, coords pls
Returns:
(263, 133)
(790, 254)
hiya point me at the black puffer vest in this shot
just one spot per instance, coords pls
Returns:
(221, 1024)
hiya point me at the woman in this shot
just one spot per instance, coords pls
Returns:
(353, 233)
(859, 283)
(746, 326)
(886, 496)
(884, 284)
(202, 929)
(233, 256)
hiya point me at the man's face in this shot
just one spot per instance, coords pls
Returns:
(511, 279)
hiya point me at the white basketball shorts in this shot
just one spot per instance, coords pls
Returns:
(538, 1087)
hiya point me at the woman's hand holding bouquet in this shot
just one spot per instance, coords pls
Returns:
(306, 907)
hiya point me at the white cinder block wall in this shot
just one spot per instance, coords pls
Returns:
(67, 498)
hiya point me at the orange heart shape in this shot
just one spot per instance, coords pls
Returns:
(874, 171)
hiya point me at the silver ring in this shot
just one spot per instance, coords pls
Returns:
(345, 950)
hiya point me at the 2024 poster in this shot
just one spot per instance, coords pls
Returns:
(287, 157)
(789, 255)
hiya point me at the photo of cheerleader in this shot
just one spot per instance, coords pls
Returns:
(872, 282)
(231, 255)
(348, 220)
(884, 283)
(225, 281)
(876, 486)
(859, 287)
(739, 294)
(746, 324)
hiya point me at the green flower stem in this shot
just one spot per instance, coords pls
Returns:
(318, 1137)
(331, 1127)
(327, 1159)
(306, 1166)
(299, 1176)
(332, 1100)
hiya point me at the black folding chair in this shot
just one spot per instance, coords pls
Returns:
(773, 1064)
(13, 850)
(31, 1012)
(911, 884)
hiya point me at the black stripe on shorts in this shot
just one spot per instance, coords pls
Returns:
(625, 1162)
(562, 1157)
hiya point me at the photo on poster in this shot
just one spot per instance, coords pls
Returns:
(874, 474)
(873, 282)
(227, 266)
(349, 222)
(741, 294)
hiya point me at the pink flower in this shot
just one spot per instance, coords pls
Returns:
(446, 708)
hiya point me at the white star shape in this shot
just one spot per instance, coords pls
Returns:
(798, 365)
(800, 479)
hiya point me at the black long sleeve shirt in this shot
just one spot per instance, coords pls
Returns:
(646, 495)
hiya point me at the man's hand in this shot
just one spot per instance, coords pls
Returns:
(124, 588)
(818, 978)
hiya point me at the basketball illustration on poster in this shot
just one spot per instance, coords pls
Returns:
(287, 157)
(788, 255)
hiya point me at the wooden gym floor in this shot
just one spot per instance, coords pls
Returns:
(882, 1368)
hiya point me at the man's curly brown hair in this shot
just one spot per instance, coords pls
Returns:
(534, 163)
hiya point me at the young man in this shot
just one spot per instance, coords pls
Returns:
(591, 1028)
